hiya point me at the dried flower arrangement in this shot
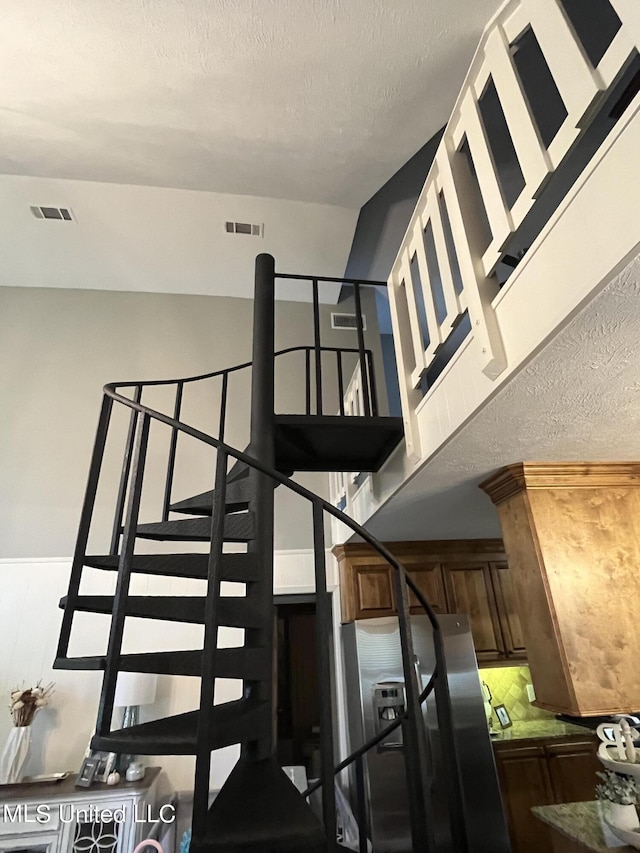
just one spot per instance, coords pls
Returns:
(617, 788)
(25, 703)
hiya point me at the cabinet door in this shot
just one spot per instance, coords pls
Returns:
(97, 826)
(97, 835)
(428, 578)
(573, 768)
(470, 591)
(507, 604)
(524, 782)
(373, 591)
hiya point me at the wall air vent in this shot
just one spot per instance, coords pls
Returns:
(244, 228)
(52, 213)
(347, 321)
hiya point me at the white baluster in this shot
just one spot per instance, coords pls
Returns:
(619, 52)
(531, 152)
(454, 302)
(629, 13)
(414, 320)
(567, 62)
(403, 344)
(470, 125)
(416, 247)
(478, 289)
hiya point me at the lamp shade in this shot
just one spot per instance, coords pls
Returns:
(135, 688)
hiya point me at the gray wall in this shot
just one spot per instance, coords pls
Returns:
(59, 347)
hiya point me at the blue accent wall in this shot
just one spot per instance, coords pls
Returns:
(384, 218)
(381, 226)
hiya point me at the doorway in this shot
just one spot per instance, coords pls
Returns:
(298, 690)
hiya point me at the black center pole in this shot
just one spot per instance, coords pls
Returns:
(262, 446)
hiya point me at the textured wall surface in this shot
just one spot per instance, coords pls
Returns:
(577, 399)
(320, 100)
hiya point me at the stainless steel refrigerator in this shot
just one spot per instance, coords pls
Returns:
(375, 696)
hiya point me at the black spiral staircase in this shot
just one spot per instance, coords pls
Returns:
(258, 809)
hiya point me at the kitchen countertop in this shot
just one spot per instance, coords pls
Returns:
(580, 822)
(541, 729)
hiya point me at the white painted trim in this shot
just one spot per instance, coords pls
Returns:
(530, 151)
(570, 197)
(450, 366)
(570, 68)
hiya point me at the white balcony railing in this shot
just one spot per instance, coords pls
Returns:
(431, 288)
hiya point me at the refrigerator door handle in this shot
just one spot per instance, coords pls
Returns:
(417, 667)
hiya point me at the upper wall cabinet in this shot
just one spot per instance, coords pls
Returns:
(455, 576)
(508, 615)
(469, 590)
(572, 534)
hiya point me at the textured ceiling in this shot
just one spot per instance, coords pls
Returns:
(315, 100)
(579, 399)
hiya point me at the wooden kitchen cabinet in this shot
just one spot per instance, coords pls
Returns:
(539, 773)
(572, 768)
(367, 581)
(455, 576)
(524, 783)
(469, 590)
(372, 593)
(509, 618)
(572, 534)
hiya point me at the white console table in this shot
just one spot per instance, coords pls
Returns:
(60, 818)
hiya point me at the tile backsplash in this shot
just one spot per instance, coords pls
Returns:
(508, 686)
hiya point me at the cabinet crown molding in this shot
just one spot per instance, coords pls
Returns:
(524, 476)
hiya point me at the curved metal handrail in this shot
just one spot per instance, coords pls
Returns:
(252, 462)
(112, 386)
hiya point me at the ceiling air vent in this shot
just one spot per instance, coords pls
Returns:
(347, 321)
(52, 213)
(244, 228)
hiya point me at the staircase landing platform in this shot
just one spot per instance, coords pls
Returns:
(335, 443)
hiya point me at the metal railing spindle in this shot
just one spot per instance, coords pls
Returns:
(316, 343)
(209, 654)
(324, 640)
(361, 806)
(340, 382)
(171, 462)
(361, 351)
(86, 515)
(372, 384)
(114, 646)
(124, 476)
(417, 758)
(223, 406)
